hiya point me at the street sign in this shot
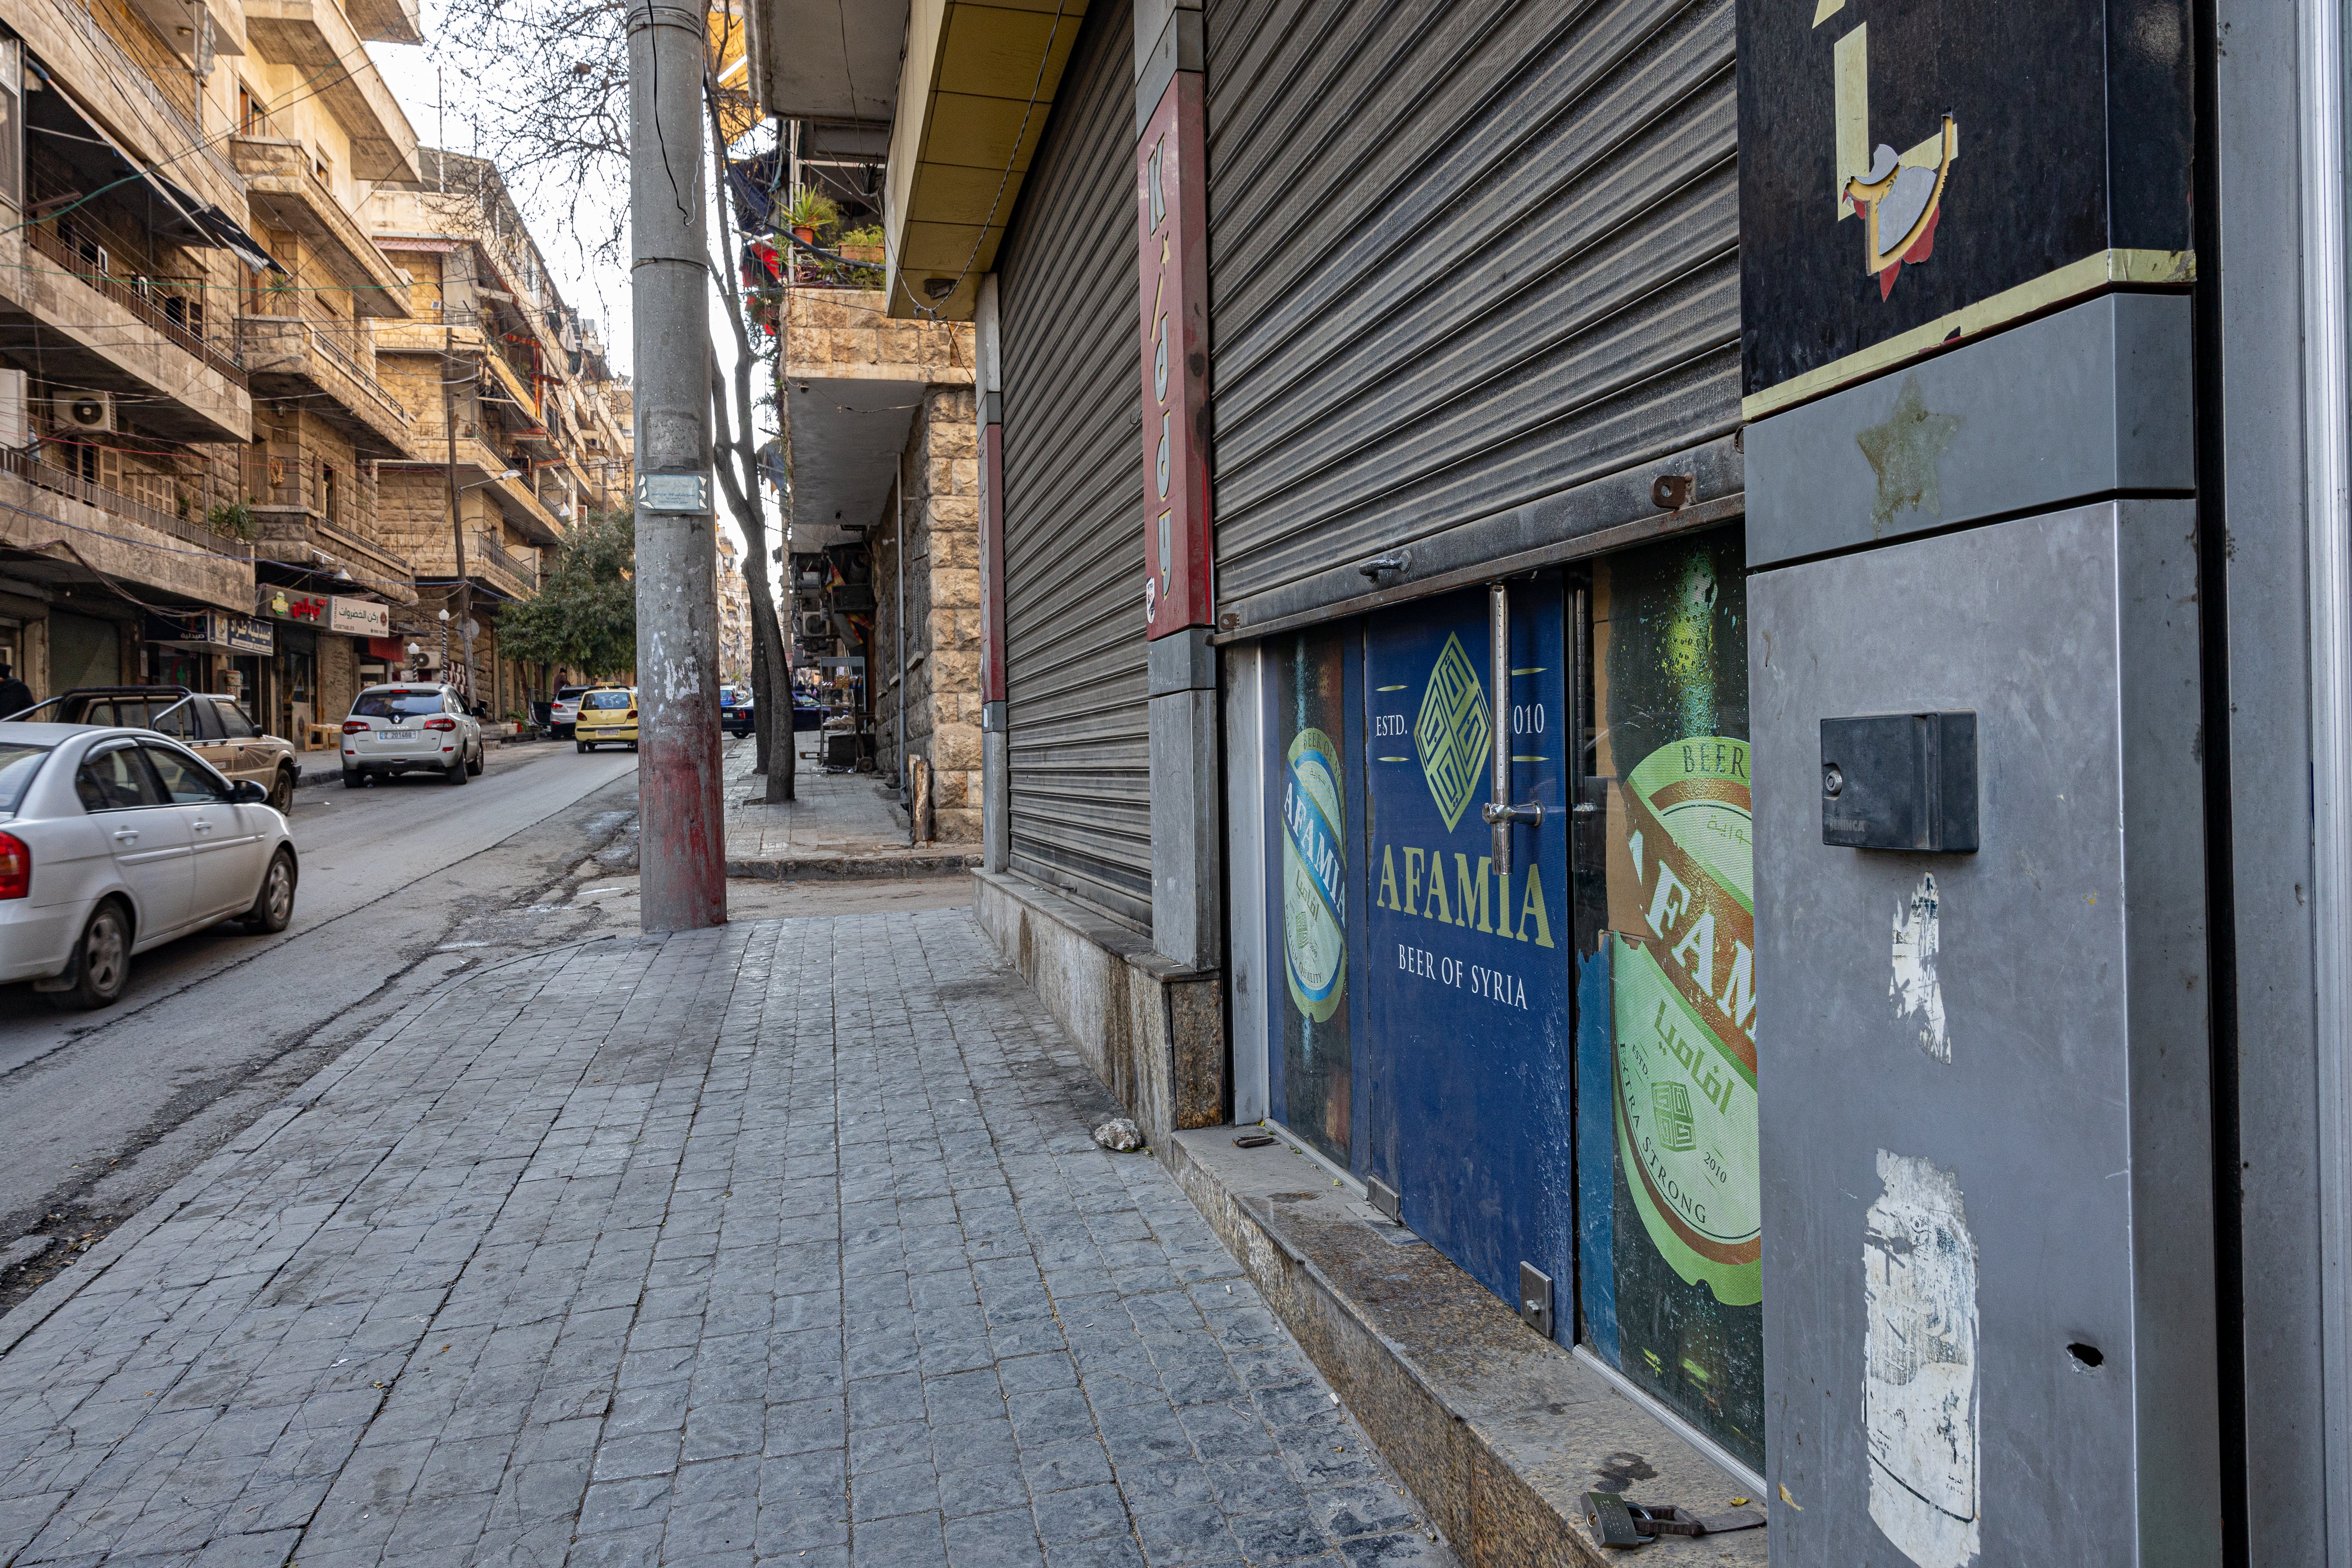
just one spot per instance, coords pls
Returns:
(674, 492)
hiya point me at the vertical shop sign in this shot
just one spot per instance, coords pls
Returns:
(1466, 1045)
(1171, 215)
(1317, 796)
(1670, 1192)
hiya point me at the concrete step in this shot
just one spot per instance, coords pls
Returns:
(1498, 1432)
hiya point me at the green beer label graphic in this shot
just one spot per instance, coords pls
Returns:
(1684, 1013)
(1314, 877)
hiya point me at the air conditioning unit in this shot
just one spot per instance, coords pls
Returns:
(83, 410)
(817, 625)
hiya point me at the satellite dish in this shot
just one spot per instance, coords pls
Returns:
(473, 627)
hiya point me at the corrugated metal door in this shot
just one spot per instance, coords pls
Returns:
(1076, 689)
(1461, 255)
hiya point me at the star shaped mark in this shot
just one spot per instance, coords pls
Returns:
(1903, 453)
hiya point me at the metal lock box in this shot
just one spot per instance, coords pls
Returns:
(1900, 780)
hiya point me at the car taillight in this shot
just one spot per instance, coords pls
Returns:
(355, 726)
(632, 714)
(442, 723)
(16, 867)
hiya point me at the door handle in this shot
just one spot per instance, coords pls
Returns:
(1498, 812)
(126, 835)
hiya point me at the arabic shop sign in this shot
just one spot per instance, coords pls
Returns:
(352, 617)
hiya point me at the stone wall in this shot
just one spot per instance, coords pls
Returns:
(942, 611)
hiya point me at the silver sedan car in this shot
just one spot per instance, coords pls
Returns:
(115, 840)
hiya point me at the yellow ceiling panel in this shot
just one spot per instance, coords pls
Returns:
(978, 131)
(994, 52)
(931, 248)
(945, 192)
(976, 90)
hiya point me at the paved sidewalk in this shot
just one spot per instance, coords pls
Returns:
(781, 1242)
(841, 826)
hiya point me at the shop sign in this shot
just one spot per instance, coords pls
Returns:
(243, 633)
(1913, 174)
(288, 605)
(1172, 235)
(359, 617)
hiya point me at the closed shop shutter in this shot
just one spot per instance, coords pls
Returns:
(83, 652)
(1461, 256)
(1075, 696)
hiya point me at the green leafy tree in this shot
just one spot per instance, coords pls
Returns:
(585, 617)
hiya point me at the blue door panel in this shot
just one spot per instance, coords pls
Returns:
(1462, 1053)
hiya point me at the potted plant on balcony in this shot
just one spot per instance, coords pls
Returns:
(233, 520)
(808, 212)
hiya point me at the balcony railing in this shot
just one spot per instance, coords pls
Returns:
(26, 465)
(323, 337)
(134, 299)
(492, 553)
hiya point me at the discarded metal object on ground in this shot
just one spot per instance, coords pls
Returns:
(1254, 1140)
(1616, 1522)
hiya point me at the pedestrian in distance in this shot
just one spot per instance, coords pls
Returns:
(14, 695)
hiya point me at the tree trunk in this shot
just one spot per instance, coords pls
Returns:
(762, 688)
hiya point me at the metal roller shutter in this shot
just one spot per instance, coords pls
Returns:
(1075, 690)
(1461, 255)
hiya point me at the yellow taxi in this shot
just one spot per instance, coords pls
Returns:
(607, 713)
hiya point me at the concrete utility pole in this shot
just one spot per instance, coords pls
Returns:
(682, 855)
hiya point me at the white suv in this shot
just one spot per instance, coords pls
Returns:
(411, 728)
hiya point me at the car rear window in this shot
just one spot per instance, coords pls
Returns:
(18, 763)
(566, 693)
(395, 704)
(603, 699)
(170, 715)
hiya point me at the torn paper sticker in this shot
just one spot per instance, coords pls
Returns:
(1919, 1363)
(1917, 993)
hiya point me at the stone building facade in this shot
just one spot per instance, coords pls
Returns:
(936, 536)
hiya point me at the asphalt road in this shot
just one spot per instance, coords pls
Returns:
(403, 883)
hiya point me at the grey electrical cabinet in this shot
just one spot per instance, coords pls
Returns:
(1983, 1077)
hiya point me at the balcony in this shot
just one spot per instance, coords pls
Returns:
(317, 36)
(514, 382)
(293, 356)
(87, 328)
(297, 536)
(29, 466)
(72, 532)
(489, 558)
(286, 190)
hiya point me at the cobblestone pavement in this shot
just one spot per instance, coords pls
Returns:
(784, 1242)
(835, 817)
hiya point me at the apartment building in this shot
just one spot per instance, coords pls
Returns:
(734, 611)
(189, 417)
(519, 425)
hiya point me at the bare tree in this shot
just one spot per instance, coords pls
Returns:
(734, 446)
(547, 85)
